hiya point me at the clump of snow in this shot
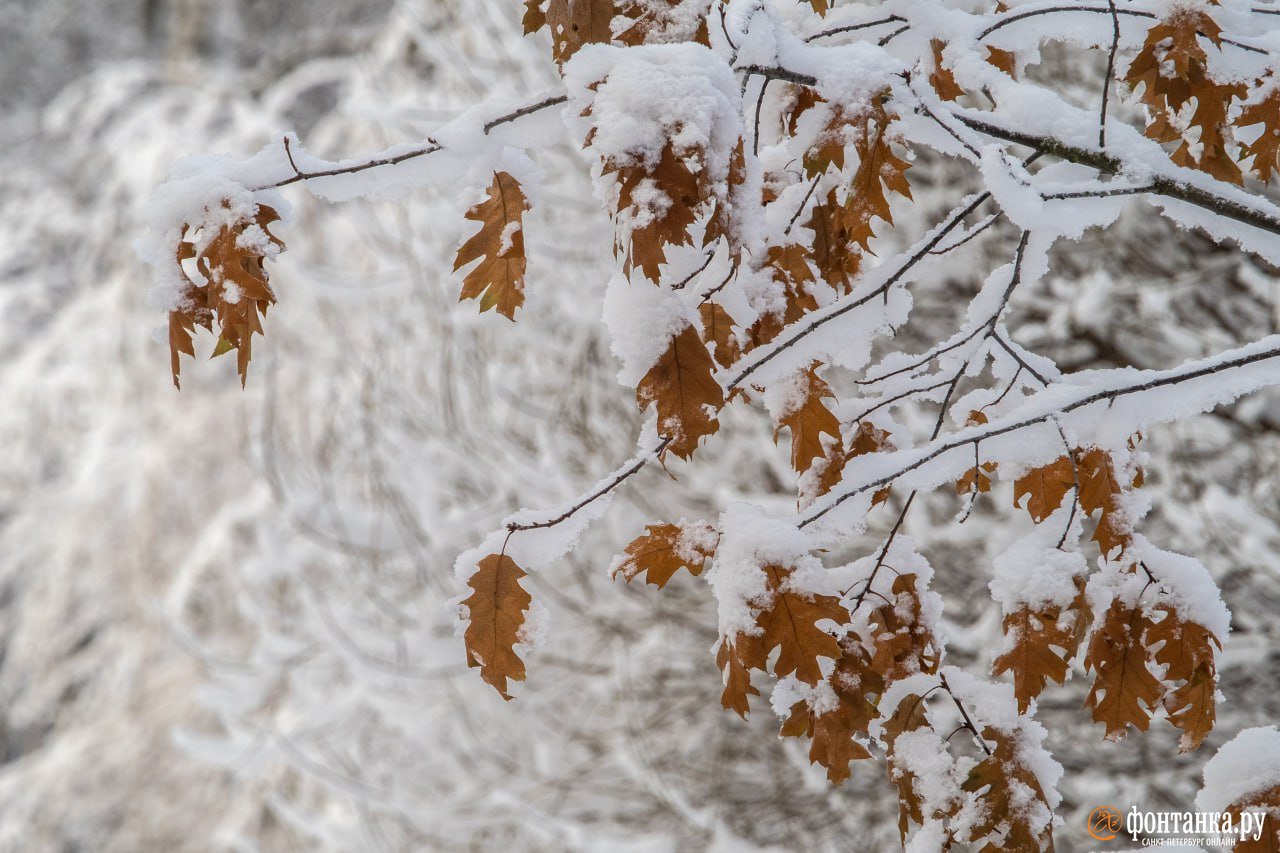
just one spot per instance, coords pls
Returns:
(642, 320)
(640, 99)
(1186, 584)
(750, 539)
(1033, 573)
(1247, 764)
(201, 196)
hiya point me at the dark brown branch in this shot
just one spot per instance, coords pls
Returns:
(430, 147)
(849, 28)
(1022, 363)
(684, 282)
(956, 217)
(1003, 429)
(973, 234)
(1106, 80)
(603, 490)
(968, 723)
(1104, 10)
(1160, 184)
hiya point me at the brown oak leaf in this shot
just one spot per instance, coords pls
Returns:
(1045, 487)
(809, 421)
(233, 289)
(1121, 662)
(1187, 653)
(1170, 70)
(1036, 635)
(1265, 149)
(496, 617)
(1101, 491)
(498, 280)
(717, 332)
(904, 642)
(1268, 839)
(575, 23)
(1014, 802)
(659, 205)
(682, 383)
(788, 621)
(941, 78)
(737, 680)
(664, 549)
(832, 731)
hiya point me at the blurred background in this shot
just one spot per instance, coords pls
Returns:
(225, 618)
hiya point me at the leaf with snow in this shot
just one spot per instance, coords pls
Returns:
(498, 279)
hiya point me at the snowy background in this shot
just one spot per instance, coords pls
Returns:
(224, 614)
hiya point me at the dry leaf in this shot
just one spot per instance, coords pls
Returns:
(664, 549)
(870, 439)
(1119, 657)
(682, 384)
(575, 23)
(660, 205)
(497, 608)
(853, 681)
(661, 22)
(1268, 840)
(1046, 487)
(1013, 800)
(1265, 150)
(941, 78)
(1036, 634)
(904, 643)
(234, 290)
(737, 680)
(717, 332)
(879, 169)
(909, 716)
(1187, 652)
(809, 421)
(788, 266)
(498, 280)
(1170, 70)
(1101, 491)
(788, 621)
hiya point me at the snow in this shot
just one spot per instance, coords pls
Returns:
(642, 321)
(750, 539)
(651, 96)
(692, 98)
(1247, 764)
(1186, 584)
(1034, 573)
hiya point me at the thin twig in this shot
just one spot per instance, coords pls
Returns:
(603, 490)
(964, 714)
(1166, 379)
(849, 28)
(430, 147)
(1106, 80)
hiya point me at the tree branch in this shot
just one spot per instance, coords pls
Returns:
(430, 147)
(919, 457)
